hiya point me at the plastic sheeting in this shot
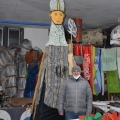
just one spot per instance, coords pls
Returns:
(2, 64)
(8, 71)
(13, 68)
(21, 83)
(7, 56)
(2, 78)
(20, 93)
(10, 82)
(11, 91)
(22, 69)
(21, 75)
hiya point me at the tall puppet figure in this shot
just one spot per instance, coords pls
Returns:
(55, 65)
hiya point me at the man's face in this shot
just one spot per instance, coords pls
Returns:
(57, 17)
(76, 73)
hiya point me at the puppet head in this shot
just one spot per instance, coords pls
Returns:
(34, 55)
(25, 46)
(115, 36)
(57, 11)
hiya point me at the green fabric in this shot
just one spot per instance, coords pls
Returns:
(108, 57)
(113, 82)
(97, 116)
(26, 74)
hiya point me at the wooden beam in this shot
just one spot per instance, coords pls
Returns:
(38, 80)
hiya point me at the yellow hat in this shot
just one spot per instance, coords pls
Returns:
(57, 5)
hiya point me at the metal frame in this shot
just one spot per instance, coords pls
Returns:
(15, 29)
(2, 37)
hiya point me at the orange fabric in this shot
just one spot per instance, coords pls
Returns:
(84, 116)
(113, 116)
(33, 55)
(105, 117)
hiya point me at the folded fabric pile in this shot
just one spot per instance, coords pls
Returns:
(115, 104)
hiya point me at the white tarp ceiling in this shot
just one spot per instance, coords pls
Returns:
(95, 13)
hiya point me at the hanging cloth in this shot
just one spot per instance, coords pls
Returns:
(97, 78)
(102, 78)
(77, 51)
(31, 77)
(118, 60)
(95, 68)
(109, 59)
(86, 61)
(113, 82)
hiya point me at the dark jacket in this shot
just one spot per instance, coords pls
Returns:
(76, 95)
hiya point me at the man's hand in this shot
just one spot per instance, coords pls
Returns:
(61, 113)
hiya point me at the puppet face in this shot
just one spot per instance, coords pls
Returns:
(57, 17)
(115, 35)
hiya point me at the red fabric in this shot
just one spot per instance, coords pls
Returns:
(86, 63)
(111, 116)
(85, 52)
(77, 52)
(77, 49)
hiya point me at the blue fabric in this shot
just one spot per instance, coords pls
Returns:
(31, 80)
(28, 118)
(72, 115)
(97, 79)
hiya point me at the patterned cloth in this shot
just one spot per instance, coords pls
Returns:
(54, 72)
(97, 77)
(57, 36)
(54, 5)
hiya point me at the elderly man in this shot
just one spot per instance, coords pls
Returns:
(77, 96)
